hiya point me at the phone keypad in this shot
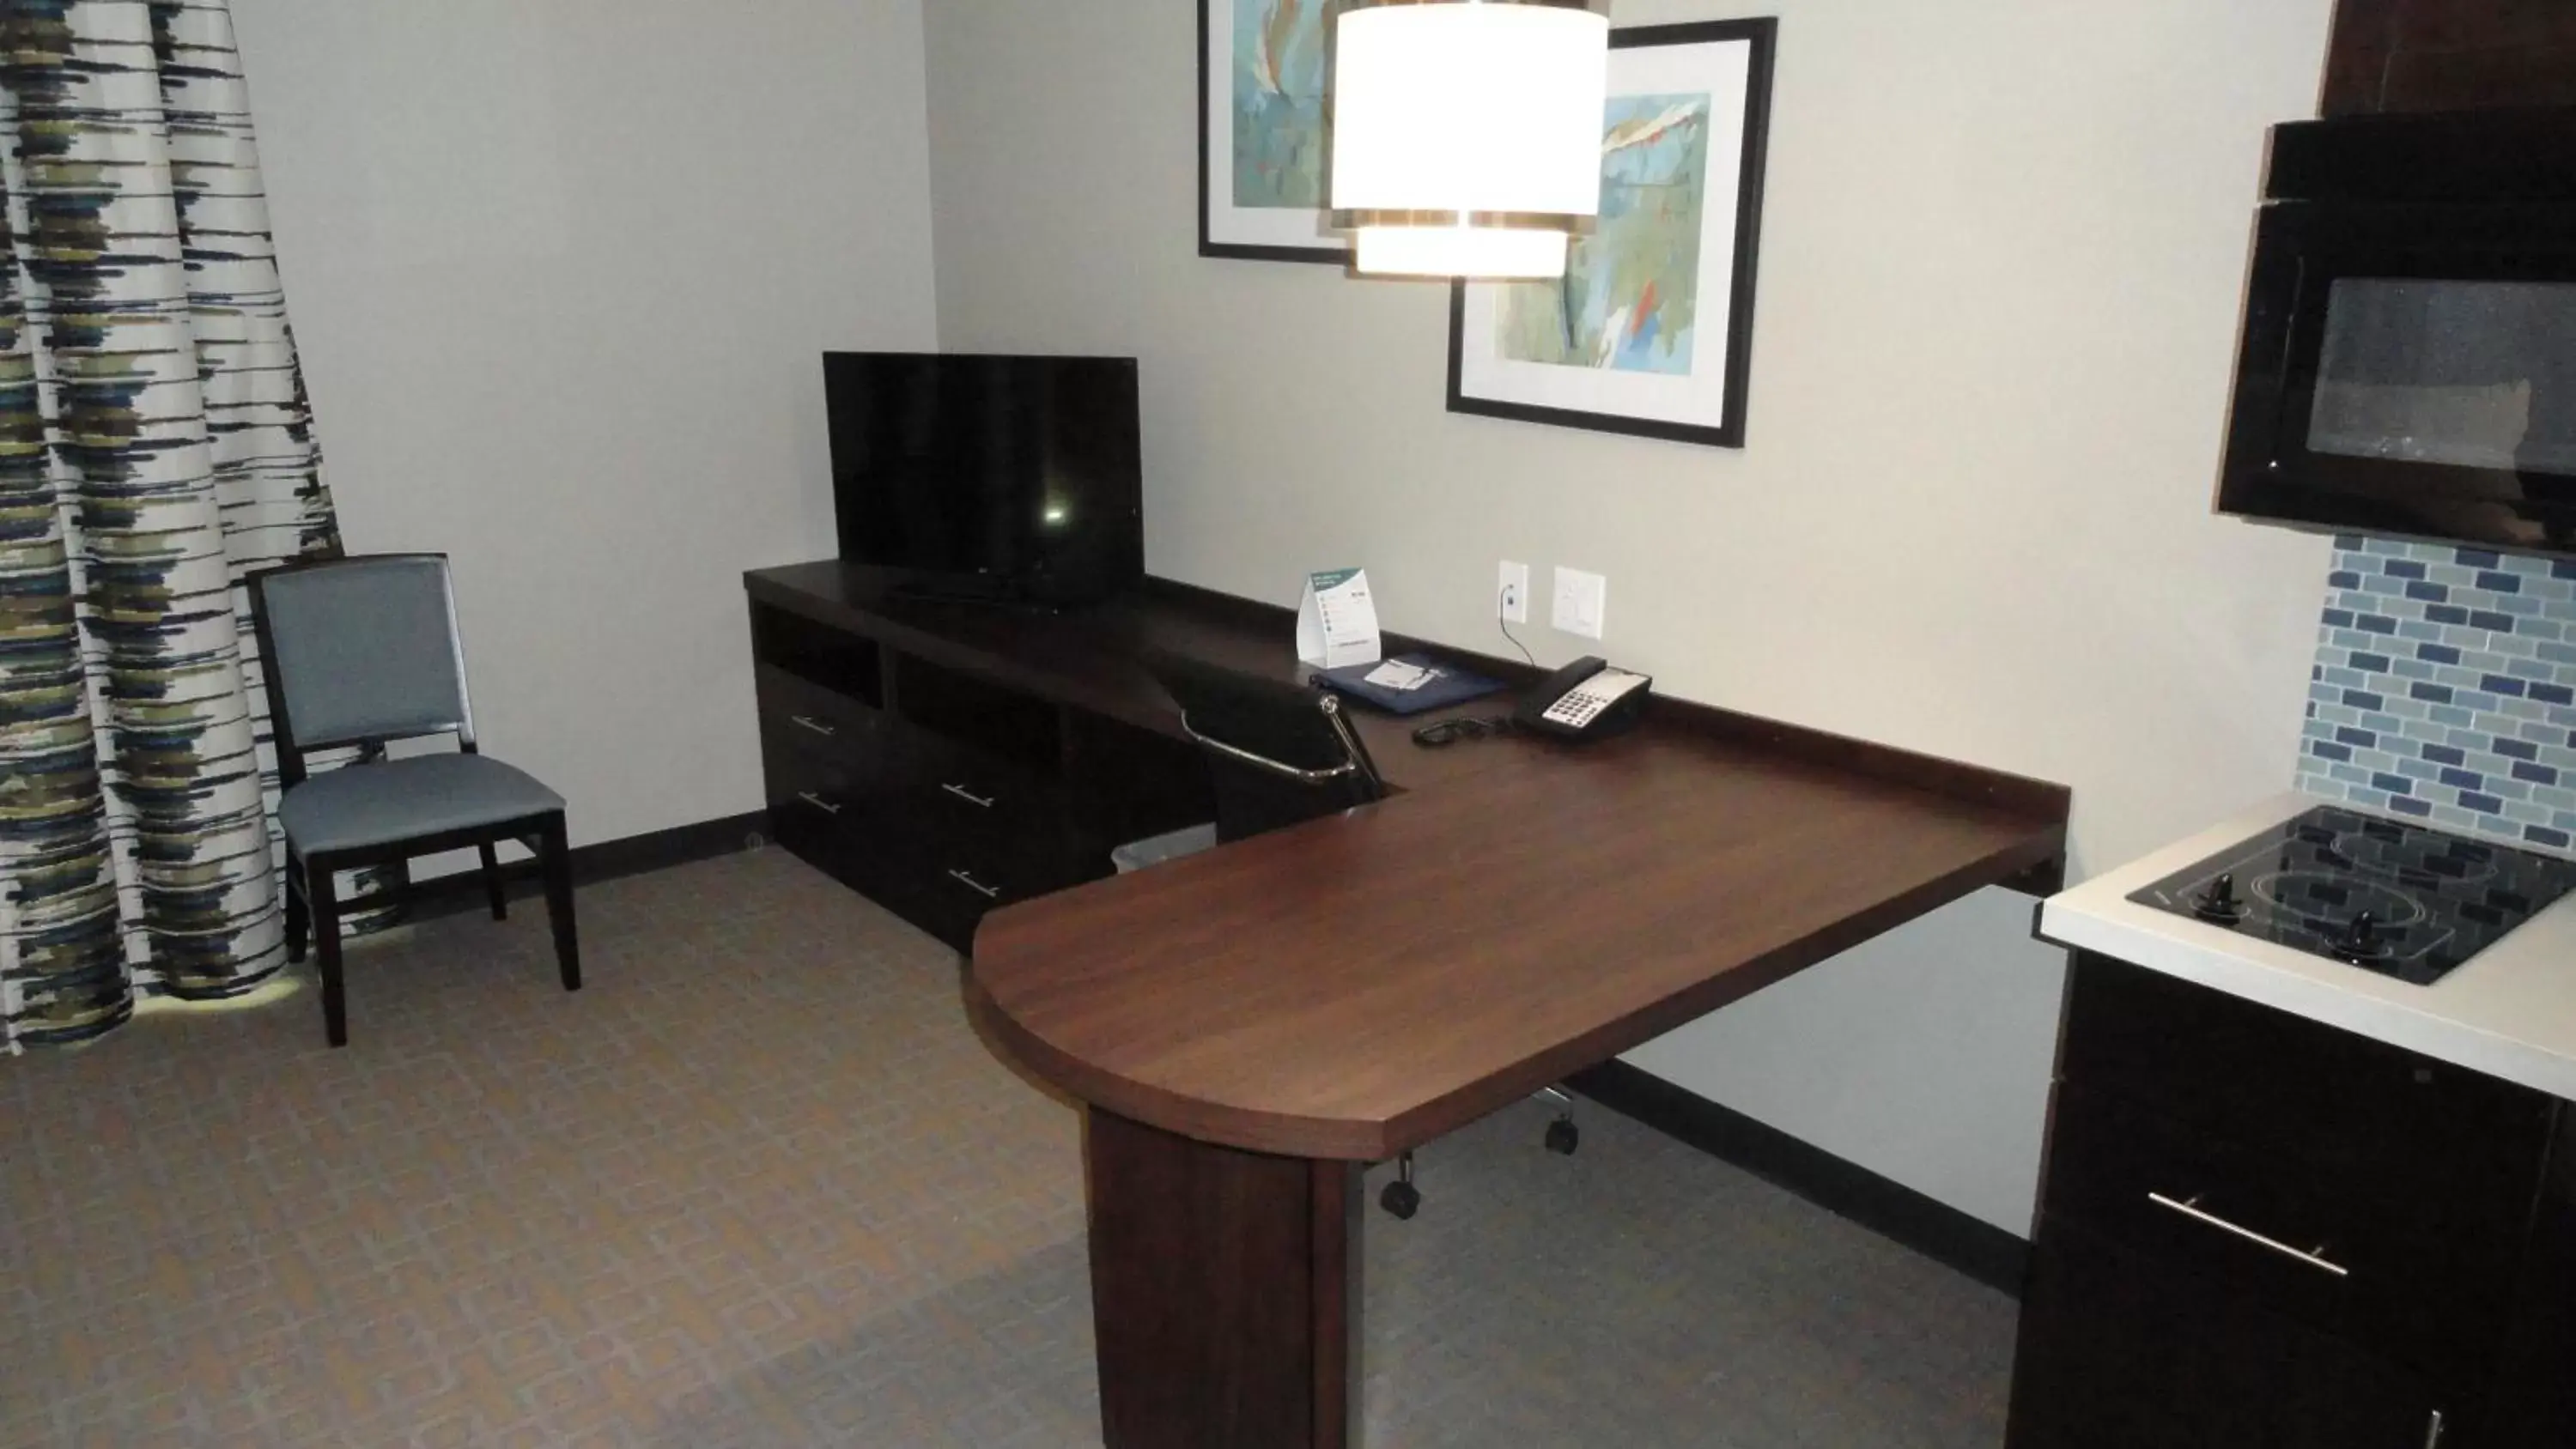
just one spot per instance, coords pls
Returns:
(1576, 709)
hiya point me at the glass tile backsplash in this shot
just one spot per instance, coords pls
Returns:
(2445, 690)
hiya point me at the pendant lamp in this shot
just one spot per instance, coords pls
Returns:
(1467, 133)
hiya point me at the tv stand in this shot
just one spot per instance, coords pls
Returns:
(946, 757)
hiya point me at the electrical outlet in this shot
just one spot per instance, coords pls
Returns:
(1580, 598)
(1511, 596)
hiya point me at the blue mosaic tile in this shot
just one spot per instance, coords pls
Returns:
(2444, 689)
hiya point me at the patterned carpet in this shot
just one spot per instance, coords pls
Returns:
(761, 1185)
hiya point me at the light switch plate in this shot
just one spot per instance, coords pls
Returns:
(1511, 593)
(1579, 600)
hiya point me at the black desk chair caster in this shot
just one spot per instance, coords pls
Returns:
(1401, 1198)
(1563, 1137)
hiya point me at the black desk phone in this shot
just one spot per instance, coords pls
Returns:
(1586, 700)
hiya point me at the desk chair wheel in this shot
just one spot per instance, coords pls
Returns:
(1562, 1135)
(1401, 1198)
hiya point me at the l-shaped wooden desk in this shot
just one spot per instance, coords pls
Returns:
(1251, 1027)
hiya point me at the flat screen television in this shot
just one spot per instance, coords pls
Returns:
(1014, 479)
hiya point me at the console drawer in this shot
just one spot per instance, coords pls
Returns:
(2407, 1259)
(963, 790)
(811, 716)
(939, 886)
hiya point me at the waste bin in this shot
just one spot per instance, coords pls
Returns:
(1155, 849)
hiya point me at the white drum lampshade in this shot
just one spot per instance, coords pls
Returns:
(1467, 134)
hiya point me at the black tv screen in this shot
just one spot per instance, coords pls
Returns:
(1013, 477)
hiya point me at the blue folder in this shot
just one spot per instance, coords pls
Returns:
(1454, 685)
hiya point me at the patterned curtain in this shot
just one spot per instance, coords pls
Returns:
(155, 445)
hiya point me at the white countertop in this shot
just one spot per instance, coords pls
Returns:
(2510, 1012)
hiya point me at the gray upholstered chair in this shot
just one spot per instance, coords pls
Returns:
(365, 650)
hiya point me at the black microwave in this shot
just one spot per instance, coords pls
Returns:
(2409, 355)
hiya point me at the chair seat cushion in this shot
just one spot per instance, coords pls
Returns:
(363, 806)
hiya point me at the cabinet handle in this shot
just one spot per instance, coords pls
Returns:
(990, 893)
(2433, 1434)
(2190, 1208)
(981, 802)
(817, 726)
(818, 802)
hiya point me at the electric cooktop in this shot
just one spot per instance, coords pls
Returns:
(2379, 894)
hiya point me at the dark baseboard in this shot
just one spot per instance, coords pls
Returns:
(450, 895)
(1892, 1210)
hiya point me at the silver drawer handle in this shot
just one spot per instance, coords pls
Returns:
(2191, 1210)
(990, 893)
(818, 802)
(817, 726)
(982, 802)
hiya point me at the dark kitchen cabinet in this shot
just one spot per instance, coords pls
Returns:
(2117, 1352)
(941, 794)
(2257, 1230)
(2450, 55)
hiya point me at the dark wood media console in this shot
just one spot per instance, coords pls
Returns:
(948, 759)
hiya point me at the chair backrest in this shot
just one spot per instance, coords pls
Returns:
(1277, 755)
(361, 648)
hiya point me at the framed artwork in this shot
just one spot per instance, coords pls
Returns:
(1650, 331)
(1265, 130)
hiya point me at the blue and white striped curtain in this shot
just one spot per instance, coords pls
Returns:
(155, 445)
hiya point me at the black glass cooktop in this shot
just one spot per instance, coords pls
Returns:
(2379, 894)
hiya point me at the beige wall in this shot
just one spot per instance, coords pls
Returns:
(1999, 284)
(561, 273)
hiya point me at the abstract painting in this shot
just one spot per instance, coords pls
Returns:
(1265, 129)
(1631, 288)
(1649, 330)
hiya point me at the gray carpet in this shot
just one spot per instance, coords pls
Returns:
(761, 1185)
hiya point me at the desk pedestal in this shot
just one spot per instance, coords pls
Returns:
(1225, 1290)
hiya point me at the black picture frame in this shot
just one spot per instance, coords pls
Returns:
(1763, 35)
(1328, 250)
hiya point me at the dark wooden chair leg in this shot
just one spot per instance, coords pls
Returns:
(556, 852)
(299, 922)
(318, 887)
(499, 897)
